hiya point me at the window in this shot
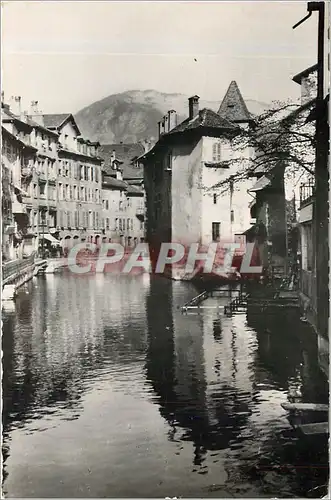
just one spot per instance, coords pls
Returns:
(131, 224)
(121, 205)
(96, 175)
(215, 198)
(76, 219)
(42, 189)
(168, 164)
(92, 174)
(82, 195)
(307, 247)
(128, 224)
(107, 205)
(232, 216)
(120, 225)
(97, 220)
(216, 231)
(217, 151)
(69, 219)
(93, 220)
(107, 223)
(70, 193)
(82, 172)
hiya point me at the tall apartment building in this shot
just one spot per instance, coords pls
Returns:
(123, 203)
(78, 181)
(29, 150)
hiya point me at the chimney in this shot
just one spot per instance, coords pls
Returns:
(193, 105)
(36, 114)
(15, 105)
(172, 119)
(161, 127)
(112, 159)
(166, 123)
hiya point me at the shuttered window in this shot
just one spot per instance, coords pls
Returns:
(217, 151)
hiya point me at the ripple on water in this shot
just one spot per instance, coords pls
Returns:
(105, 376)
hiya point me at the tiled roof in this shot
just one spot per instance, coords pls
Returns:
(297, 78)
(114, 183)
(233, 106)
(206, 118)
(124, 153)
(13, 137)
(134, 190)
(24, 121)
(55, 120)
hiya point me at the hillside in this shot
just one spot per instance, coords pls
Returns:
(132, 116)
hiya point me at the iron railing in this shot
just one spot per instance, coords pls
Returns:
(307, 192)
(15, 267)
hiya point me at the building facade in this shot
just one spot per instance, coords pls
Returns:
(123, 207)
(184, 165)
(78, 182)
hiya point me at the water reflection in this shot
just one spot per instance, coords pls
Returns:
(200, 393)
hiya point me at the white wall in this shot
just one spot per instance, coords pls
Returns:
(238, 202)
(71, 141)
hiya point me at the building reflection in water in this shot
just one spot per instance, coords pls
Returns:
(217, 381)
(221, 381)
(200, 367)
(63, 331)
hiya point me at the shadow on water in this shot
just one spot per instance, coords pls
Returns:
(217, 382)
(237, 408)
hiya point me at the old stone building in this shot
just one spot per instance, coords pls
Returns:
(78, 181)
(123, 201)
(182, 167)
(21, 165)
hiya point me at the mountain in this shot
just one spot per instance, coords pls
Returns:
(132, 116)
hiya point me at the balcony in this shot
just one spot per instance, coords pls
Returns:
(27, 171)
(27, 200)
(42, 202)
(41, 176)
(51, 178)
(307, 193)
(52, 204)
(18, 208)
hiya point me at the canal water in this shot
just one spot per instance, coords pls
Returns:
(110, 391)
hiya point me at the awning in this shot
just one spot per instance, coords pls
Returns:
(262, 183)
(51, 239)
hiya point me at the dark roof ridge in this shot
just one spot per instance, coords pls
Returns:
(298, 77)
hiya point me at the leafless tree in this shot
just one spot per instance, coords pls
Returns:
(283, 137)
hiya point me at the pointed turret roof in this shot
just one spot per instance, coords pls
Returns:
(233, 107)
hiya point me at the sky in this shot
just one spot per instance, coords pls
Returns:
(67, 55)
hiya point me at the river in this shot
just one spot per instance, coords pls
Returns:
(110, 391)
